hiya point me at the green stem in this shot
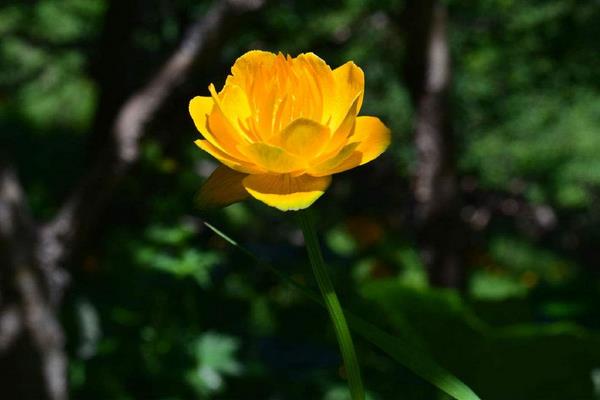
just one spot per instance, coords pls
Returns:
(333, 306)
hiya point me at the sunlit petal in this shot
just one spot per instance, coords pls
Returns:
(286, 192)
(243, 72)
(340, 136)
(200, 107)
(372, 136)
(231, 162)
(304, 138)
(318, 85)
(349, 83)
(235, 106)
(272, 158)
(332, 165)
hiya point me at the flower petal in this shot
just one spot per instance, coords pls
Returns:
(230, 161)
(373, 138)
(350, 83)
(272, 158)
(286, 192)
(234, 104)
(341, 134)
(244, 69)
(222, 188)
(304, 138)
(222, 127)
(318, 85)
(352, 161)
(332, 165)
(212, 124)
(200, 107)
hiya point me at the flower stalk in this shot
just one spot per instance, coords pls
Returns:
(333, 306)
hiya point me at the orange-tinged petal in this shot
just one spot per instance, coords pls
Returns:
(265, 102)
(222, 188)
(286, 192)
(350, 83)
(304, 138)
(320, 69)
(272, 158)
(372, 136)
(320, 85)
(245, 67)
(231, 162)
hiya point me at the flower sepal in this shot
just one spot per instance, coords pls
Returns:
(222, 188)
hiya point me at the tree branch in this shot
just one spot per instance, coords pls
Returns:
(62, 234)
(16, 223)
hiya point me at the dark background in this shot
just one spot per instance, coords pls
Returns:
(478, 228)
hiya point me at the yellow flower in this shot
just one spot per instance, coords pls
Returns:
(282, 126)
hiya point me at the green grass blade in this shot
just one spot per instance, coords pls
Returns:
(406, 352)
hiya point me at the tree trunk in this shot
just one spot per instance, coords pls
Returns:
(32, 360)
(33, 363)
(440, 232)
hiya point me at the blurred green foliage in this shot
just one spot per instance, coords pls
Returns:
(161, 308)
(215, 355)
(170, 251)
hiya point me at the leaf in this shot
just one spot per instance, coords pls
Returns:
(215, 359)
(407, 350)
(412, 357)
